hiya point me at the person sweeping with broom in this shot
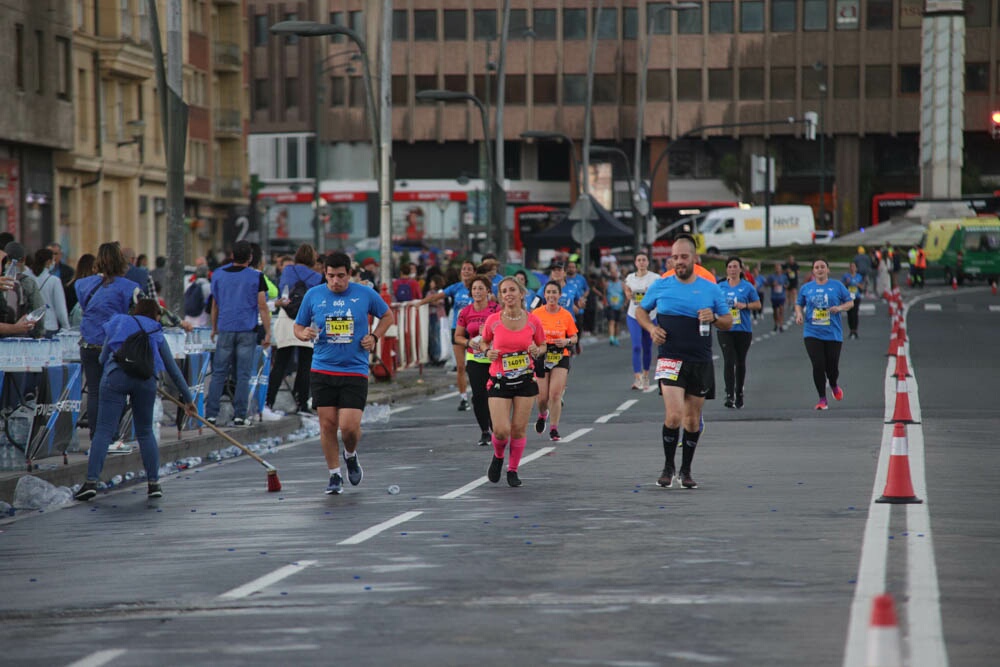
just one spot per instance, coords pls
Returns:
(335, 317)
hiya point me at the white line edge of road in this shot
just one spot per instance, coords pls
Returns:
(604, 419)
(98, 658)
(462, 490)
(369, 533)
(444, 396)
(925, 632)
(263, 582)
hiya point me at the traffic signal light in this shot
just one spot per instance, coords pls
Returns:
(995, 124)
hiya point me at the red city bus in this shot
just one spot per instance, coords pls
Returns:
(889, 204)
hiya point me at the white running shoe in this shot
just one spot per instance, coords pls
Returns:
(269, 415)
(119, 447)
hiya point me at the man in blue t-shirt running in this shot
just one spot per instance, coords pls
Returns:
(686, 306)
(335, 317)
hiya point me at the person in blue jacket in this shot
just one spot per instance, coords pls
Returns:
(854, 281)
(101, 297)
(117, 386)
(819, 305)
(742, 299)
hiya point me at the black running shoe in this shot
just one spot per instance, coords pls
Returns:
(512, 478)
(336, 485)
(666, 479)
(354, 472)
(554, 435)
(153, 490)
(729, 401)
(87, 492)
(484, 439)
(687, 481)
(493, 474)
(540, 423)
(463, 405)
(739, 401)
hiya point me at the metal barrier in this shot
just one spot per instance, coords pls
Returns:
(412, 320)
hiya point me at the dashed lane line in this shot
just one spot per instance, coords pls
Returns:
(444, 396)
(369, 533)
(260, 583)
(462, 490)
(98, 658)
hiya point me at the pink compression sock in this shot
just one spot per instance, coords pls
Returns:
(499, 447)
(516, 450)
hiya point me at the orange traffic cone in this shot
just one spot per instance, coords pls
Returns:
(898, 485)
(954, 283)
(893, 346)
(993, 287)
(902, 370)
(884, 648)
(901, 334)
(895, 327)
(901, 413)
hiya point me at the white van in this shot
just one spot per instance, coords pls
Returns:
(734, 228)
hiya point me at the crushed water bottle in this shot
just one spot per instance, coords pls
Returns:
(129, 476)
(116, 480)
(6, 509)
(393, 490)
(375, 414)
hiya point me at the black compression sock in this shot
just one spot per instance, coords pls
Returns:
(687, 449)
(670, 437)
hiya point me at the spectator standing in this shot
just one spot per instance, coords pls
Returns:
(197, 301)
(84, 268)
(791, 268)
(406, 288)
(614, 299)
(139, 274)
(64, 272)
(56, 316)
(159, 273)
(864, 264)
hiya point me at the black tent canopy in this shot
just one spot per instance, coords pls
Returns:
(608, 231)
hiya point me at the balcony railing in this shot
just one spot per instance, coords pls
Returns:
(227, 54)
(228, 121)
(228, 187)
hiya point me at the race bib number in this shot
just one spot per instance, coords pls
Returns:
(778, 289)
(514, 364)
(853, 289)
(667, 369)
(553, 357)
(821, 317)
(339, 329)
(735, 312)
(615, 300)
(637, 296)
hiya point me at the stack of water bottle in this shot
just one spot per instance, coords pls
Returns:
(11, 458)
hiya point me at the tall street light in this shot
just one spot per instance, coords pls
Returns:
(645, 206)
(820, 67)
(612, 150)
(587, 109)
(458, 96)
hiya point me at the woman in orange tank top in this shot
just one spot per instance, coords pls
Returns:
(552, 368)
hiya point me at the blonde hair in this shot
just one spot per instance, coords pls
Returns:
(520, 288)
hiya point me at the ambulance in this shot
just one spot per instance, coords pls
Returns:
(964, 249)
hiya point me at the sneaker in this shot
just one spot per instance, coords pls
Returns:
(269, 415)
(153, 490)
(687, 481)
(87, 492)
(540, 423)
(493, 474)
(119, 447)
(354, 472)
(211, 420)
(336, 485)
(666, 479)
(637, 385)
(463, 405)
(484, 439)
(838, 393)
(554, 435)
(513, 479)
(729, 401)
(645, 382)
(241, 421)
(822, 405)
(739, 401)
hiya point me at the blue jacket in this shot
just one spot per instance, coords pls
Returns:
(100, 303)
(235, 294)
(120, 327)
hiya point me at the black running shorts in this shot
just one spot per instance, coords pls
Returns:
(338, 391)
(524, 385)
(697, 378)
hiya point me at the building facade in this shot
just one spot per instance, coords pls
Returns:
(748, 65)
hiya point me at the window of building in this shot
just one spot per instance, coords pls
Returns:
(357, 21)
(783, 16)
(125, 18)
(977, 13)
(338, 91)
(658, 18)
(544, 24)
(544, 89)
(261, 94)
(752, 16)
(425, 82)
(782, 83)
(400, 26)
(879, 16)
(356, 92)
(814, 14)
(484, 23)
(455, 28)
(878, 81)
(720, 18)
(292, 157)
(812, 80)
(197, 14)
(554, 161)
(605, 89)
(845, 82)
(574, 89)
(608, 26)
(40, 52)
(751, 83)
(479, 88)
(19, 56)
(291, 92)
(574, 24)
(518, 25)
(689, 85)
(515, 89)
(977, 77)
(425, 26)
(628, 88)
(720, 84)
(336, 18)
(455, 82)
(79, 14)
(689, 21)
(909, 79)
(658, 85)
(630, 23)
(847, 14)
(260, 26)
(399, 90)
(291, 40)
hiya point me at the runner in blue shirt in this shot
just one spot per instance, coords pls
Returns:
(686, 306)
(779, 291)
(855, 284)
(819, 305)
(461, 297)
(334, 317)
(614, 295)
(741, 297)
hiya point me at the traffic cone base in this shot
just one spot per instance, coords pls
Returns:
(884, 646)
(902, 370)
(898, 485)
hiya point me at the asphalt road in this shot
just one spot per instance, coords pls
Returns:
(771, 561)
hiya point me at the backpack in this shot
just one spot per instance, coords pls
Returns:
(299, 290)
(135, 356)
(194, 300)
(402, 291)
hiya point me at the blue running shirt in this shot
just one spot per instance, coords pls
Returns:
(677, 305)
(342, 319)
(816, 301)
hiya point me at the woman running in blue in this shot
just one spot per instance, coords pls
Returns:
(855, 284)
(742, 299)
(819, 305)
(461, 297)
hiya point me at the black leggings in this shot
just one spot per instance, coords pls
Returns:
(478, 374)
(279, 366)
(825, 358)
(852, 316)
(735, 346)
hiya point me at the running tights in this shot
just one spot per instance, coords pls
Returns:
(478, 375)
(642, 345)
(735, 345)
(852, 316)
(825, 358)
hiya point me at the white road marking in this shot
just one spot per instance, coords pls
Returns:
(369, 533)
(867, 309)
(261, 583)
(626, 405)
(576, 434)
(932, 306)
(462, 490)
(98, 658)
(994, 309)
(402, 408)
(604, 419)
(444, 396)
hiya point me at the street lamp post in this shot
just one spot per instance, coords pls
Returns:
(611, 150)
(456, 96)
(820, 67)
(587, 109)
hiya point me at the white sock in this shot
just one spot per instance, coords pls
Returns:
(465, 395)
(335, 470)
(350, 456)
